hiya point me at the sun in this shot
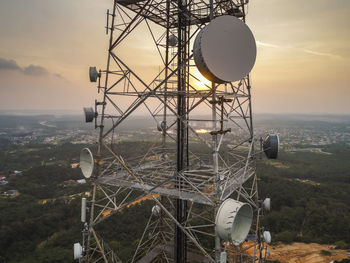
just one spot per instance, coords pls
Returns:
(200, 81)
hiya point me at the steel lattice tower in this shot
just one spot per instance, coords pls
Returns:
(187, 173)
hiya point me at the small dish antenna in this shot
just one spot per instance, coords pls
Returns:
(89, 114)
(86, 162)
(164, 157)
(233, 221)
(156, 210)
(225, 50)
(93, 74)
(267, 237)
(270, 146)
(172, 40)
(161, 126)
(78, 251)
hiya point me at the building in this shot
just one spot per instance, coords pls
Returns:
(3, 180)
(11, 193)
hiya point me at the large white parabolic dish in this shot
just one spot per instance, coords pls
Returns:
(225, 50)
(233, 221)
(86, 162)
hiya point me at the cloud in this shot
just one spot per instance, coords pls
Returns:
(58, 76)
(262, 44)
(8, 64)
(35, 70)
(322, 54)
(305, 50)
(31, 70)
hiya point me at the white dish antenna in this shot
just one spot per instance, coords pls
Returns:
(233, 221)
(225, 50)
(86, 162)
(78, 251)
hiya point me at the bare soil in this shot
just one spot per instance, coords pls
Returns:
(305, 253)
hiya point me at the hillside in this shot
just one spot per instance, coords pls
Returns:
(309, 186)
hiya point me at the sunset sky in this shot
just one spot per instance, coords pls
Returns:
(46, 47)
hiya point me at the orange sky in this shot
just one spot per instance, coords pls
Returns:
(46, 46)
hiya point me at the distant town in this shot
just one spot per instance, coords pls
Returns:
(303, 134)
(293, 133)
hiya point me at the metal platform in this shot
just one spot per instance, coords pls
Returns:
(155, 10)
(197, 185)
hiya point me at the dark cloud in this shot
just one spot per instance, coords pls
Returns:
(35, 70)
(8, 65)
(31, 70)
(58, 75)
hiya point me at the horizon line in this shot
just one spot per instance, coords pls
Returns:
(77, 112)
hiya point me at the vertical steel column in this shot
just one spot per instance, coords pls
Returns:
(180, 253)
(166, 70)
(215, 152)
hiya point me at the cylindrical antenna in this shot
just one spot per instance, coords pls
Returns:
(83, 210)
(107, 25)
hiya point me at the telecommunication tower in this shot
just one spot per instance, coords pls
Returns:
(200, 167)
